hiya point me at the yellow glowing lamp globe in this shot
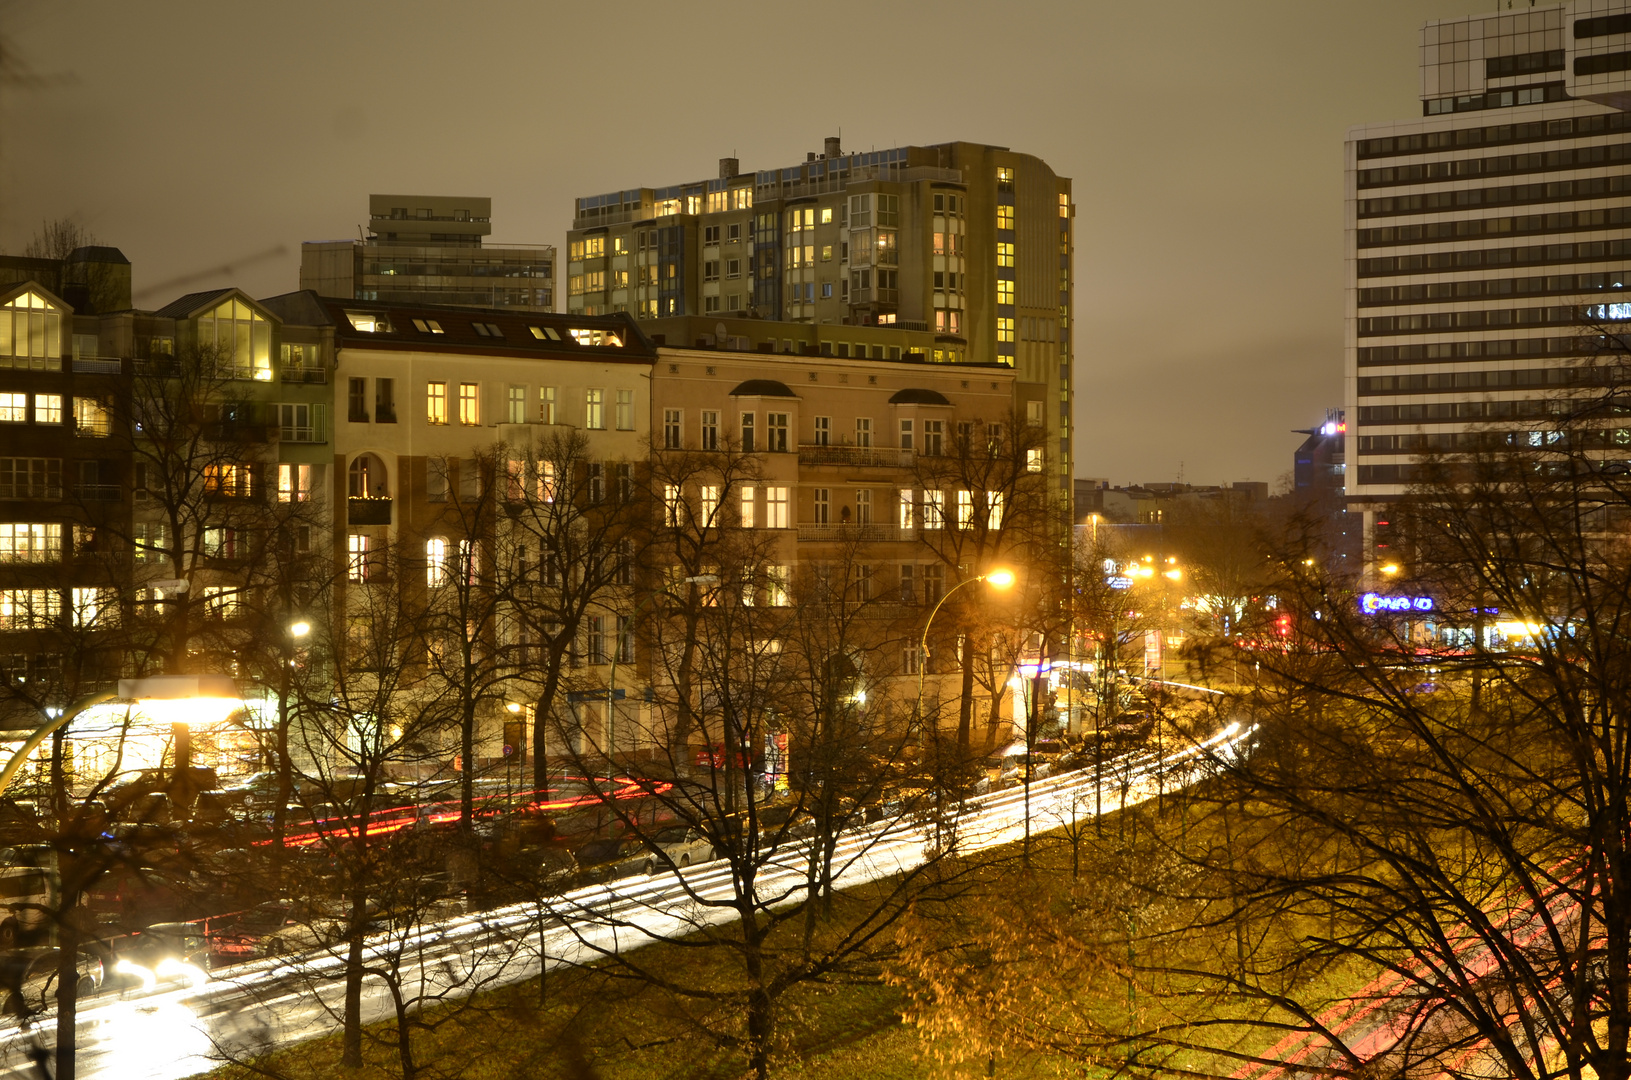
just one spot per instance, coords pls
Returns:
(1000, 579)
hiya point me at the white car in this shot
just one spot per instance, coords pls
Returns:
(684, 845)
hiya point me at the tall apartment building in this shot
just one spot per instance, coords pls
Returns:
(431, 249)
(1487, 241)
(967, 244)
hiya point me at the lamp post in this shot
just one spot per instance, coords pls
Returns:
(1000, 579)
(611, 678)
(285, 768)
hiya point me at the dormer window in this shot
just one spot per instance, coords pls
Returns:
(427, 326)
(487, 329)
(240, 339)
(30, 332)
(368, 322)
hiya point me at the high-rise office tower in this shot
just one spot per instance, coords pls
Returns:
(430, 249)
(967, 242)
(1487, 242)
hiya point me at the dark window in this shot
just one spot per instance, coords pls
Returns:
(1501, 67)
(1602, 26)
(385, 401)
(358, 399)
(1602, 63)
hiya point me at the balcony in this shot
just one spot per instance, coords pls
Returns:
(302, 433)
(99, 365)
(309, 375)
(853, 456)
(368, 511)
(98, 492)
(839, 534)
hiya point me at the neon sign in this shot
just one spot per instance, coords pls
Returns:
(1375, 603)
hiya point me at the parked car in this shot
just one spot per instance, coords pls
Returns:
(683, 844)
(28, 978)
(25, 899)
(609, 858)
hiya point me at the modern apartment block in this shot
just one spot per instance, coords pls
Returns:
(431, 249)
(966, 244)
(1487, 242)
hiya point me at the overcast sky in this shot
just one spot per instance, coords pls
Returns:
(1204, 139)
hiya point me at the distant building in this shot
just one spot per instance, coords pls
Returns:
(91, 280)
(1487, 243)
(966, 245)
(431, 249)
(1317, 466)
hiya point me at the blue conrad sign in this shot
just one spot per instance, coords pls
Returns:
(1375, 603)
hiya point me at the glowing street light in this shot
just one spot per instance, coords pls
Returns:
(1000, 579)
(299, 629)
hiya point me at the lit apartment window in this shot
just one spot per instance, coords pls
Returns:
(776, 432)
(672, 429)
(934, 510)
(908, 510)
(778, 585)
(625, 410)
(671, 505)
(517, 398)
(14, 408)
(435, 562)
(436, 402)
(1005, 330)
(708, 503)
(469, 404)
(27, 542)
(1005, 294)
(747, 503)
(356, 567)
(546, 405)
(823, 430)
(776, 507)
(1005, 254)
(1005, 216)
(293, 482)
(1033, 460)
(48, 408)
(993, 510)
(965, 509)
(710, 429)
(594, 409)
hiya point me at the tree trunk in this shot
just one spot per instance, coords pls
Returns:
(67, 980)
(467, 755)
(965, 703)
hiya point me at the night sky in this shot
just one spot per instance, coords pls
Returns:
(1204, 139)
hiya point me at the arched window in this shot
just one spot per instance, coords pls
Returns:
(367, 478)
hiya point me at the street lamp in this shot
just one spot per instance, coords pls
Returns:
(611, 678)
(1000, 579)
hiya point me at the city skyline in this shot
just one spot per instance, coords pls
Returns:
(1195, 216)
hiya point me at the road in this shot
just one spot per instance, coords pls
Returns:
(175, 1031)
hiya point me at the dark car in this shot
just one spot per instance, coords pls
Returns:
(28, 978)
(607, 859)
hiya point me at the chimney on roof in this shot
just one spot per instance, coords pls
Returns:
(832, 147)
(729, 168)
(811, 156)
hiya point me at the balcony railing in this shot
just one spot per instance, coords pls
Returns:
(844, 533)
(315, 375)
(883, 456)
(98, 492)
(307, 433)
(99, 365)
(368, 511)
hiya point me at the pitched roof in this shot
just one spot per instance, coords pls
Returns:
(444, 328)
(183, 306)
